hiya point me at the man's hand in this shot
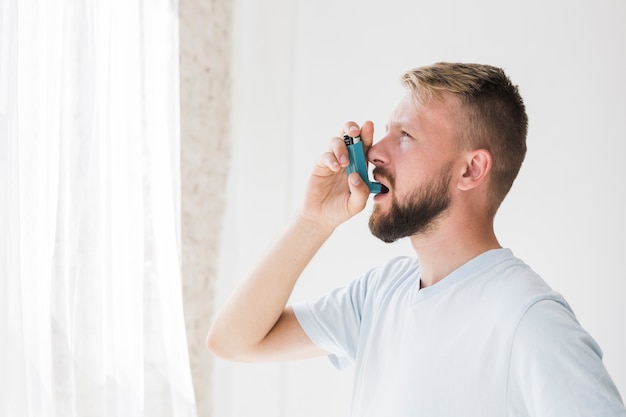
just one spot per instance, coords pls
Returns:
(331, 197)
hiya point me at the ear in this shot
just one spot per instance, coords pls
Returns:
(476, 168)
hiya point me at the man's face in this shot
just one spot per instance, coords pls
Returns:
(415, 160)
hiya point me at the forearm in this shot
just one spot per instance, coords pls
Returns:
(258, 302)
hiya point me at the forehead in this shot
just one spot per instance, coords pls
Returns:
(404, 113)
(437, 114)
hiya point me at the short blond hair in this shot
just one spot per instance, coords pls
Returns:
(492, 116)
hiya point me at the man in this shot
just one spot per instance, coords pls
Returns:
(463, 329)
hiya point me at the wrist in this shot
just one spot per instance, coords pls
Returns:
(314, 226)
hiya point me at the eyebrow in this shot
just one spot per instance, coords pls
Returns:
(397, 125)
(391, 124)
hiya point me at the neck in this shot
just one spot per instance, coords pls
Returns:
(442, 251)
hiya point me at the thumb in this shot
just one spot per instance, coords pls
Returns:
(359, 193)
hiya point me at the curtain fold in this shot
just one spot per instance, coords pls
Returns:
(91, 311)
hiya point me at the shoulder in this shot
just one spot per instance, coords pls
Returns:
(515, 284)
(396, 268)
(504, 282)
(549, 319)
(370, 290)
(393, 275)
(364, 291)
(552, 354)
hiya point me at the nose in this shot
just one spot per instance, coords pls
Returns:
(377, 154)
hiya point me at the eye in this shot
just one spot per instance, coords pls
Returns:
(405, 135)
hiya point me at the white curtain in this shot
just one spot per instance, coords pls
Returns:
(91, 319)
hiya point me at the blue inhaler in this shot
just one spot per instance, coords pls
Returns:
(359, 164)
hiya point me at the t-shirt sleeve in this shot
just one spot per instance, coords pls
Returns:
(556, 367)
(333, 321)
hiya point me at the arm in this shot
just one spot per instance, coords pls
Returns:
(254, 324)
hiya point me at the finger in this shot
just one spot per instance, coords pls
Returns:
(359, 193)
(330, 161)
(367, 135)
(351, 129)
(340, 151)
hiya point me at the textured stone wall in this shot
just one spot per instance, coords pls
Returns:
(205, 111)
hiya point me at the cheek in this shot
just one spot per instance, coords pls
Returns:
(406, 183)
(413, 167)
(410, 173)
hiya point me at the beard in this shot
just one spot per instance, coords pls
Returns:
(418, 213)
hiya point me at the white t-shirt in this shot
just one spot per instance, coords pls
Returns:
(490, 339)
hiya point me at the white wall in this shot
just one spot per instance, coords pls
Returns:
(302, 68)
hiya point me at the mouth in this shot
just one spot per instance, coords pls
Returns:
(384, 189)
